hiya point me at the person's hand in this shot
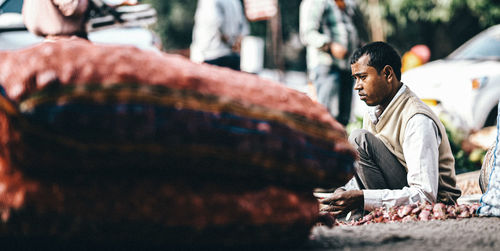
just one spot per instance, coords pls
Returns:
(224, 38)
(338, 51)
(343, 201)
(237, 44)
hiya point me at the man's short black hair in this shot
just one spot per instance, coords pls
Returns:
(381, 54)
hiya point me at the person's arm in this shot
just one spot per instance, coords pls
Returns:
(71, 7)
(245, 27)
(244, 30)
(420, 149)
(339, 45)
(311, 12)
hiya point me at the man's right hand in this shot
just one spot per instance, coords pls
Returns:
(342, 201)
(338, 51)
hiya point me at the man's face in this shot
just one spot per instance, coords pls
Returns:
(373, 88)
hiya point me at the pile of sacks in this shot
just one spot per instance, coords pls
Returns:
(115, 146)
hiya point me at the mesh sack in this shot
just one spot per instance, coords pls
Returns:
(115, 119)
(489, 180)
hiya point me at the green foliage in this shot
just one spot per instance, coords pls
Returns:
(175, 22)
(356, 124)
(405, 12)
(488, 11)
(464, 162)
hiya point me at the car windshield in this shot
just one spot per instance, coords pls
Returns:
(484, 47)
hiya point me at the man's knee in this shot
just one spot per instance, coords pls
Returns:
(358, 137)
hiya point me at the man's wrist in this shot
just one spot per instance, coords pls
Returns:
(339, 190)
(372, 199)
(360, 201)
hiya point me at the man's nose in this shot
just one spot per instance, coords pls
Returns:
(358, 85)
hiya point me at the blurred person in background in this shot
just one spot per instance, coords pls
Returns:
(50, 18)
(328, 31)
(219, 28)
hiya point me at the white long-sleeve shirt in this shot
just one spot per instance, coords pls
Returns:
(420, 149)
(215, 19)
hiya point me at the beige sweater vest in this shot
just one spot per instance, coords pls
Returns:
(391, 130)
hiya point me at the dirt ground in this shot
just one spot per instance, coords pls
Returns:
(482, 233)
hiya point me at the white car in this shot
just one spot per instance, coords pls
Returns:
(466, 84)
(13, 34)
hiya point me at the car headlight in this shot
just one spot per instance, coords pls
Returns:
(479, 82)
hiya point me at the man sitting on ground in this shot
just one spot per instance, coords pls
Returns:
(405, 155)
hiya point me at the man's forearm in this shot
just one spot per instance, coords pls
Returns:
(389, 198)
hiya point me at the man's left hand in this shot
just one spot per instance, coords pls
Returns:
(344, 201)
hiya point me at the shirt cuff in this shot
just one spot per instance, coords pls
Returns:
(352, 184)
(320, 41)
(372, 199)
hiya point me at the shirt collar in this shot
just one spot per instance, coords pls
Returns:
(376, 112)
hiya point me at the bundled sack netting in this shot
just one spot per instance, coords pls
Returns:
(111, 143)
(489, 178)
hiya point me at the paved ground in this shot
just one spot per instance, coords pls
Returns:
(465, 234)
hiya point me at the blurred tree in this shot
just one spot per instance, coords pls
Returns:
(175, 22)
(441, 24)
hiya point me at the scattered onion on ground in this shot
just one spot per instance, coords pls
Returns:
(414, 212)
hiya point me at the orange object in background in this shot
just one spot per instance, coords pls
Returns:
(120, 2)
(416, 56)
(410, 60)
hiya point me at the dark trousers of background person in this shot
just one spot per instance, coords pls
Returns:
(330, 81)
(231, 61)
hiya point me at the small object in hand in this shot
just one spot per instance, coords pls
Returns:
(348, 216)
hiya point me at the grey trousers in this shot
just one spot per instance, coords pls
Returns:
(332, 84)
(378, 168)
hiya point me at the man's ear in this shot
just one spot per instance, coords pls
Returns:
(388, 71)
